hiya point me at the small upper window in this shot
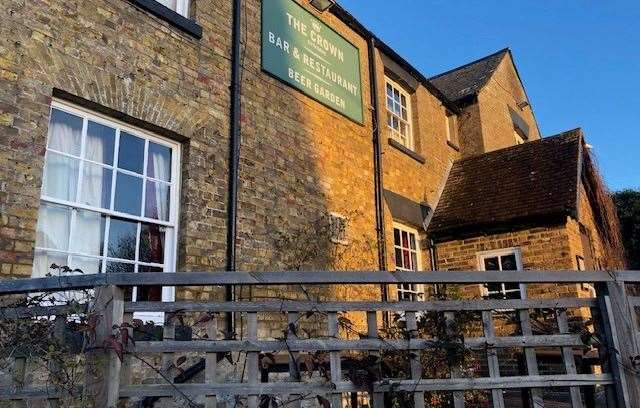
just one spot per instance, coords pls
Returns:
(407, 255)
(451, 128)
(520, 127)
(502, 260)
(399, 114)
(179, 6)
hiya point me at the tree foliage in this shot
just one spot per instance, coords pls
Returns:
(628, 205)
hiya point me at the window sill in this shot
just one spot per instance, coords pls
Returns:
(415, 156)
(453, 145)
(185, 24)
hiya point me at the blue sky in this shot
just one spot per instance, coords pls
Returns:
(579, 60)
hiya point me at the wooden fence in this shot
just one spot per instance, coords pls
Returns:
(615, 327)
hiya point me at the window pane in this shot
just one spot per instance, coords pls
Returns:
(128, 197)
(88, 233)
(513, 295)
(491, 264)
(494, 287)
(131, 153)
(159, 162)
(412, 241)
(511, 286)
(120, 267)
(414, 261)
(122, 239)
(65, 132)
(157, 201)
(52, 230)
(396, 236)
(406, 259)
(509, 263)
(149, 293)
(85, 264)
(100, 143)
(151, 243)
(405, 240)
(399, 258)
(43, 260)
(96, 186)
(60, 177)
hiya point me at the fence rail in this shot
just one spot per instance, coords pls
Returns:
(615, 327)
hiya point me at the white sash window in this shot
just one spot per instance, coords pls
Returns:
(399, 114)
(407, 257)
(109, 201)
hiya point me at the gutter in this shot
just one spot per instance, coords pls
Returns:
(234, 154)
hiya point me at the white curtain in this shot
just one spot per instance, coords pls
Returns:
(52, 231)
(43, 260)
(60, 177)
(88, 233)
(61, 172)
(96, 180)
(157, 193)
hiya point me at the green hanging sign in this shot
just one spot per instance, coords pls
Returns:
(307, 54)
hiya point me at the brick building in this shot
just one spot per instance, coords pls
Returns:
(115, 119)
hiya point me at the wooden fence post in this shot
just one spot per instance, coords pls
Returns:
(621, 342)
(103, 365)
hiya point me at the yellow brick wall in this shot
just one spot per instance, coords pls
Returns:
(501, 92)
(587, 219)
(486, 125)
(404, 175)
(543, 248)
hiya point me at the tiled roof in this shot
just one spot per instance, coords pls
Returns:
(527, 182)
(468, 79)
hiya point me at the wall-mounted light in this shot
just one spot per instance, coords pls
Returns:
(523, 105)
(322, 5)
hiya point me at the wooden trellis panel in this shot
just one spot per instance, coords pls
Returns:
(117, 383)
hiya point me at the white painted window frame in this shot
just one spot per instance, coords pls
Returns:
(395, 134)
(450, 120)
(171, 235)
(481, 256)
(416, 290)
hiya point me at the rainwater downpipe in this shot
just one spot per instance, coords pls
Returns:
(377, 164)
(433, 256)
(234, 154)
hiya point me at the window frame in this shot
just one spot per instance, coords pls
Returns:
(519, 139)
(450, 121)
(394, 134)
(416, 291)
(498, 253)
(172, 225)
